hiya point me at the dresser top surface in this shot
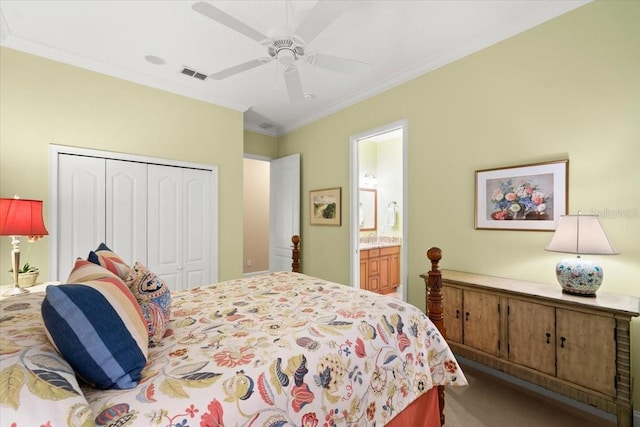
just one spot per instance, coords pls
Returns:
(606, 301)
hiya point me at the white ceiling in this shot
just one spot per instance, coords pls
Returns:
(399, 39)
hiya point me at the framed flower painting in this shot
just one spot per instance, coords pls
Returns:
(526, 197)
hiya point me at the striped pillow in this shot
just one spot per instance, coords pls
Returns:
(97, 326)
(108, 259)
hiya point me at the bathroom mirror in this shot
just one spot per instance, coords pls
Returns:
(368, 213)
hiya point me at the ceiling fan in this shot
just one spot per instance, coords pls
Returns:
(286, 47)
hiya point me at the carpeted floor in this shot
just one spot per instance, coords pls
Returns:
(489, 401)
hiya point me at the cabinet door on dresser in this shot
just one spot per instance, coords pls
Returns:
(531, 335)
(482, 321)
(586, 350)
(452, 301)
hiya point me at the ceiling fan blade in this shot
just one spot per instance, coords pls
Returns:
(227, 20)
(238, 68)
(319, 18)
(293, 83)
(337, 63)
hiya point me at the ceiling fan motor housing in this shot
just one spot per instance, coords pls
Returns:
(285, 51)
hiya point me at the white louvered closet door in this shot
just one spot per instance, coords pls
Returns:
(81, 209)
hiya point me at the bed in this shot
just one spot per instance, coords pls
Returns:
(276, 349)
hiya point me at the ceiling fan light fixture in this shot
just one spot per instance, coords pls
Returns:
(286, 56)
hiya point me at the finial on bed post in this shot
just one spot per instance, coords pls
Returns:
(295, 254)
(433, 283)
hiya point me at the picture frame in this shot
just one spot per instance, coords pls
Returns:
(526, 197)
(325, 206)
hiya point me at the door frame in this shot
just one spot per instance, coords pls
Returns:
(354, 195)
(297, 223)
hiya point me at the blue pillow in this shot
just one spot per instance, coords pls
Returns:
(99, 329)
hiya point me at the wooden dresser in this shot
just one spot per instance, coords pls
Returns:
(576, 346)
(380, 269)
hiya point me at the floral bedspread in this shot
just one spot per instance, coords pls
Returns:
(267, 351)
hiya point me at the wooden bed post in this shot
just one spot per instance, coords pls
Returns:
(295, 254)
(433, 288)
(434, 291)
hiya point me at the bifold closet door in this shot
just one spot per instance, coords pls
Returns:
(81, 209)
(126, 205)
(164, 248)
(180, 225)
(159, 215)
(198, 227)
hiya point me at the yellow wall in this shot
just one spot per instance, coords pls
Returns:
(43, 102)
(568, 89)
(260, 144)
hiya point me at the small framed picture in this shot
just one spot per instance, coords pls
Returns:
(325, 206)
(527, 197)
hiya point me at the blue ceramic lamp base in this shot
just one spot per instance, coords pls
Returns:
(579, 277)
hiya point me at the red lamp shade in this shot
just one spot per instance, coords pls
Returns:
(21, 217)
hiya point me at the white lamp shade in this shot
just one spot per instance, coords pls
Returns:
(581, 234)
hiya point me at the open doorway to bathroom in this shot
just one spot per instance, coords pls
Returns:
(378, 210)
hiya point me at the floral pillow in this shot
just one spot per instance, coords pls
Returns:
(108, 259)
(96, 324)
(153, 295)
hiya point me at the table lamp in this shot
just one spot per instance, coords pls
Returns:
(580, 235)
(20, 217)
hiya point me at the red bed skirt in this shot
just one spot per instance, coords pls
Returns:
(422, 412)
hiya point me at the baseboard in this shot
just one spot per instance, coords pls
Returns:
(254, 273)
(543, 391)
(636, 418)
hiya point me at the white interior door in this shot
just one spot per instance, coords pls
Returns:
(284, 215)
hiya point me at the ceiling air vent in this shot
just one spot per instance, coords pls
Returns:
(193, 73)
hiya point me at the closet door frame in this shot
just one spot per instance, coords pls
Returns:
(55, 150)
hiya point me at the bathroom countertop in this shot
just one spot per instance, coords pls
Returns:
(377, 245)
